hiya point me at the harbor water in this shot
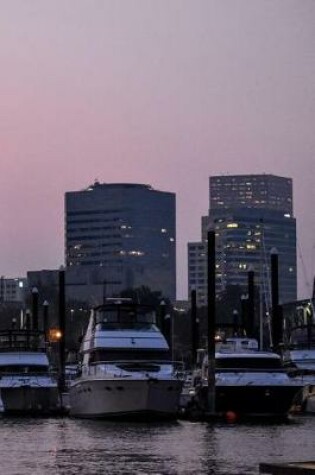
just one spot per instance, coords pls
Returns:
(65, 446)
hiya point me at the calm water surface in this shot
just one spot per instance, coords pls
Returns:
(68, 446)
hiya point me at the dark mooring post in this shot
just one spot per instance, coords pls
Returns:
(162, 313)
(45, 319)
(211, 321)
(34, 308)
(244, 311)
(251, 301)
(275, 311)
(166, 324)
(168, 330)
(236, 323)
(194, 326)
(62, 328)
(27, 326)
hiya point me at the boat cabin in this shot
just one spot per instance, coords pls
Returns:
(122, 315)
(22, 352)
(124, 331)
(21, 340)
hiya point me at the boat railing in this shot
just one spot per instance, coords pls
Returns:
(22, 340)
(143, 366)
(31, 374)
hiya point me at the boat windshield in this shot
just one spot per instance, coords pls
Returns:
(124, 317)
(303, 337)
(129, 355)
(236, 363)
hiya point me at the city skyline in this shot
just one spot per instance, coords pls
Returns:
(165, 94)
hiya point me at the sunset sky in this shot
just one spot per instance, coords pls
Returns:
(162, 92)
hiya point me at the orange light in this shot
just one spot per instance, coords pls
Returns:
(54, 335)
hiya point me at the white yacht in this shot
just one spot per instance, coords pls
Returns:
(26, 382)
(126, 369)
(249, 381)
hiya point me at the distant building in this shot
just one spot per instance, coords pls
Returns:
(197, 271)
(12, 290)
(125, 231)
(84, 285)
(251, 214)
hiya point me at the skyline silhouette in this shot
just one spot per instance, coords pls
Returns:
(161, 93)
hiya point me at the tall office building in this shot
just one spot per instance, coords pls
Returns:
(125, 231)
(251, 214)
(251, 191)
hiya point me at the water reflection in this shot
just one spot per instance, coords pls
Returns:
(69, 446)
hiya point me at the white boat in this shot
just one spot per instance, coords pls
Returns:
(126, 368)
(249, 382)
(299, 359)
(26, 382)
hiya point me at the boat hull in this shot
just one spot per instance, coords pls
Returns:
(29, 400)
(256, 400)
(136, 398)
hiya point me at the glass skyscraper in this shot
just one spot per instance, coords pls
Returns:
(127, 229)
(251, 191)
(251, 214)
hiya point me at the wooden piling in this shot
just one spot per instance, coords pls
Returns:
(211, 323)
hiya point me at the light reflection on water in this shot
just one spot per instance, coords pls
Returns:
(69, 446)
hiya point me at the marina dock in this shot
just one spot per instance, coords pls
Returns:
(292, 468)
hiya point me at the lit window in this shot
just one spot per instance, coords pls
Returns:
(232, 225)
(136, 253)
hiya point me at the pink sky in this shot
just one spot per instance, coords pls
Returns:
(151, 91)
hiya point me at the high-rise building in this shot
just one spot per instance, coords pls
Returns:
(251, 191)
(197, 270)
(128, 230)
(251, 214)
